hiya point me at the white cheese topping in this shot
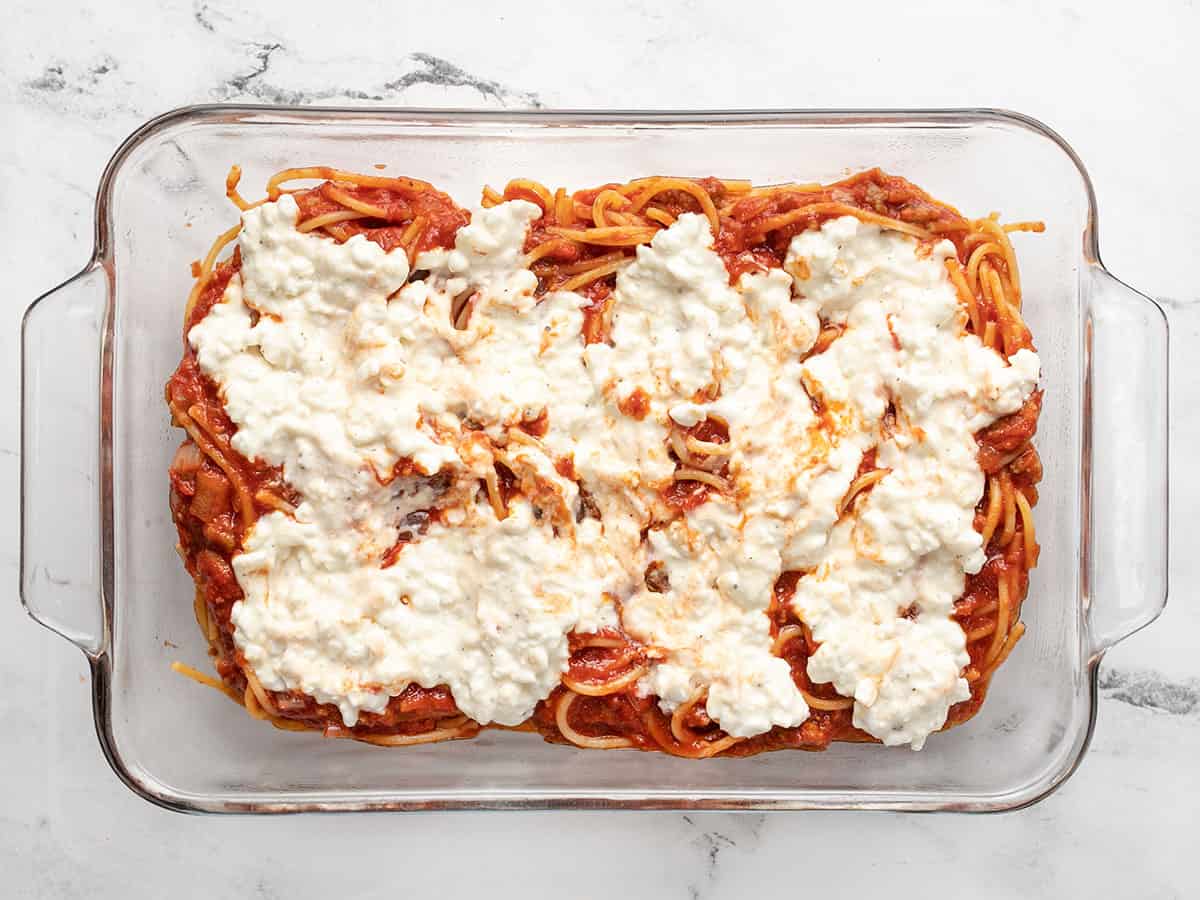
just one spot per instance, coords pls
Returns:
(712, 620)
(336, 367)
(912, 540)
(337, 384)
(678, 327)
(481, 606)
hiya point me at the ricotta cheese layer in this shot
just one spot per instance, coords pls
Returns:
(388, 399)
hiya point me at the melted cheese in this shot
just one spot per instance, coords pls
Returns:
(337, 384)
(912, 539)
(678, 327)
(712, 621)
(481, 606)
(336, 367)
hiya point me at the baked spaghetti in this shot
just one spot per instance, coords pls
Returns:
(679, 464)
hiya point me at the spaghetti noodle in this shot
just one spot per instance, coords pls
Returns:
(580, 242)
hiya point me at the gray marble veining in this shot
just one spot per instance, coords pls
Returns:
(75, 78)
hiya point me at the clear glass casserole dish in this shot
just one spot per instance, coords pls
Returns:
(98, 563)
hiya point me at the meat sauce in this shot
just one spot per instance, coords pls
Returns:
(211, 528)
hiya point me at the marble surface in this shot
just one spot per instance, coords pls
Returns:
(1117, 81)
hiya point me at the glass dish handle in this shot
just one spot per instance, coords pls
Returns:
(62, 355)
(1126, 487)
(1183, 317)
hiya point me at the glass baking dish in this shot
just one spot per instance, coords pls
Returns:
(98, 562)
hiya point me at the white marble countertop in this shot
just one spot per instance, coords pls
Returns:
(75, 78)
